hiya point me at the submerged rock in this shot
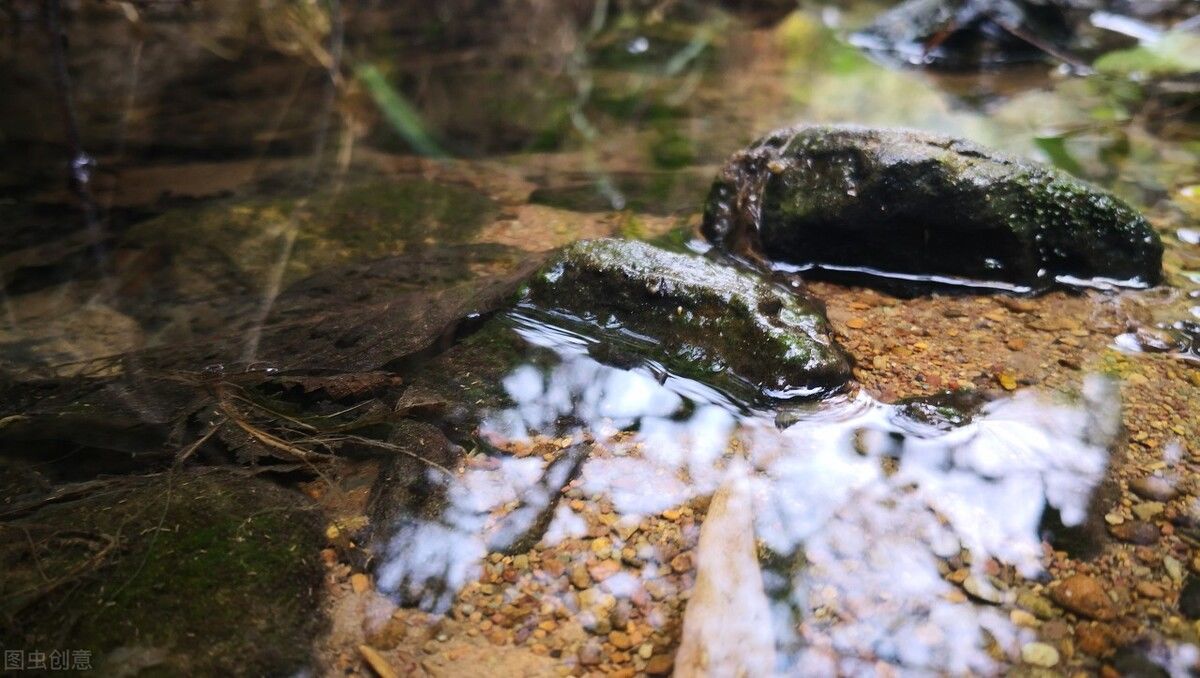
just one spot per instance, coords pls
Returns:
(188, 573)
(917, 209)
(701, 319)
(956, 34)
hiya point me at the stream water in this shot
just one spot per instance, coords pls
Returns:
(212, 194)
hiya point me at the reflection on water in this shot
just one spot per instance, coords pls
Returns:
(859, 512)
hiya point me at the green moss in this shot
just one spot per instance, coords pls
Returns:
(711, 322)
(238, 243)
(211, 574)
(1176, 53)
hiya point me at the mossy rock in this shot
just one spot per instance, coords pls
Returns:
(910, 209)
(701, 319)
(233, 247)
(207, 573)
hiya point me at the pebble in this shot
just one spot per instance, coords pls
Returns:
(1039, 654)
(579, 576)
(620, 640)
(1038, 605)
(359, 582)
(604, 569)
(1094, 639)
(1153, 488)
(1085, 596)
(1150, 590)
(681, 563)
(1174, 568)
(590, 653)
(1147, 510)
(1022, 618)
(660, 665)
(1135, 532)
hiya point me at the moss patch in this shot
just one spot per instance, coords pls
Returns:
(192, 573)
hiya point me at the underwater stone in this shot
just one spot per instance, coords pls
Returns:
(701, 319)
(915, 210)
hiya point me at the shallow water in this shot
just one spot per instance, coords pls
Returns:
(231, 156)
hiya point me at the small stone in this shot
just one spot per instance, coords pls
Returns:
(1094, 639)
(856, 323)
(1085, 596)
(1039, 654)
(601, 546)
(579, 576)
(1022, 618)
(1174, 568)
(1153, 488)
(1147, 510)
(681, 563)
(1007, 381)
(1114, 518)
(359, 582)
(671, 514)
(620, 640)
(1038, 605)
(1135, 532)
(645, 650)
(660, 665)
(1150, 590)
(604, 569)
(1015, 344)
(590, 653)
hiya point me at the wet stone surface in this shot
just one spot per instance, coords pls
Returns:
(701, 319)
(915, 210)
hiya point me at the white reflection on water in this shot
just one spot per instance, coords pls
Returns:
(864, 510)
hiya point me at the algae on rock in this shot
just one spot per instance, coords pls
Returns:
(701, 319)
(912, 208)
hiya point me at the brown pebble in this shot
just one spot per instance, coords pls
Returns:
(1094, 639)
(620, 640)
(1135, 532)
(580, 578)
(660, 665)
(604, 569)
(1085, 596)
(1150, 590)
(359, 582)
(681, 563)
(590, 653)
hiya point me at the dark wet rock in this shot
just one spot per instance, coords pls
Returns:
(1133, 662)
(960, 34)
(412, 482)
(207, 573)
(1189, 599)
(703, 320)
(128, 422)
(938, 412)
(1085, 596)
(1135, 532)
(913, 209)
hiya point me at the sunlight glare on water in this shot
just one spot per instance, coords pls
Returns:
(855, 510)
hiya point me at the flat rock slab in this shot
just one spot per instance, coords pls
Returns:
(910, 209)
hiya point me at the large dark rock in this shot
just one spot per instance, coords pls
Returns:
(917, 208)
(700, 319)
